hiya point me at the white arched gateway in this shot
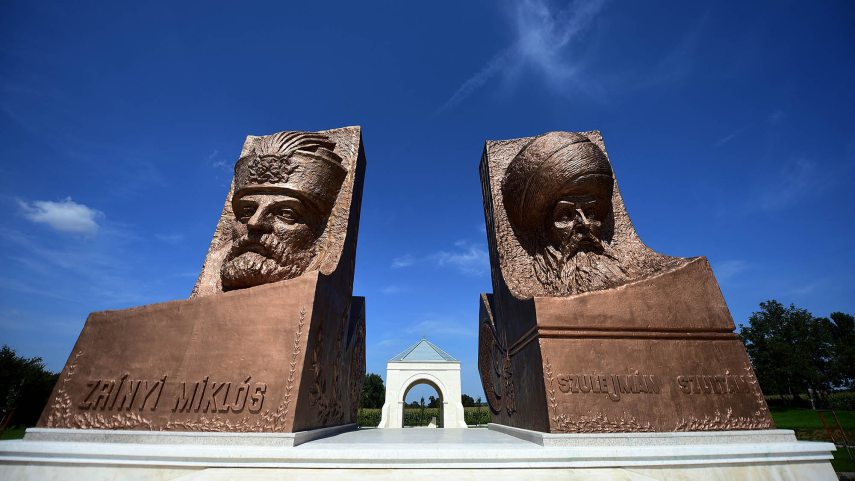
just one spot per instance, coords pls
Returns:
(423, 363)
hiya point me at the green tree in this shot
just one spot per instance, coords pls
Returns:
(25, 386)
(373, 393)
(843, 349)
(789, 348)
(433, 402)
(467, 401)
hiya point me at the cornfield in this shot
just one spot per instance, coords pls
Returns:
(421, 417)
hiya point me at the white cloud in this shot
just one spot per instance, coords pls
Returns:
(468, 258)
(793, 182)
(727, 270)
(390, 342)
(405, 260)
(174, 238)
(392, 289)
(65, 215)
(542, 37)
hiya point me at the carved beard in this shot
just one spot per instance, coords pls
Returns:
(583, 264)
(253, 261)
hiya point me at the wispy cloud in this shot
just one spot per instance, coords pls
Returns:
(392, 289)
(772, 119)
(729, 269)
(467, 258)
(174, 238)
(390, 342)
(734, 134)
(792, 182)
(405, 260)
(72, 269)
(218, 163)
(65, 215)
(543, 36)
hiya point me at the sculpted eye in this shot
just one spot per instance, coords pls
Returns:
(245, 212)
(288, 216)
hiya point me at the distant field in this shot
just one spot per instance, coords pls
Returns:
(415, 417)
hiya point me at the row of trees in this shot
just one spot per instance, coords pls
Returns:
(794, 352)
(374, 395)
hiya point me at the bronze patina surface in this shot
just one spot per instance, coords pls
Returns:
(272, 339)
(588, 329)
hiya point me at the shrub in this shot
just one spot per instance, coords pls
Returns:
(368, 418)
(473, 416)
(842, 401)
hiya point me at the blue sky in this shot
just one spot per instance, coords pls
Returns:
(730, 126)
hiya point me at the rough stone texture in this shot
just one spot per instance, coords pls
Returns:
(283, 356)
(331, 242)
(629, 341)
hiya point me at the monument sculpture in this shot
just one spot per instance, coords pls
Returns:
(588, 329)
(272, 339)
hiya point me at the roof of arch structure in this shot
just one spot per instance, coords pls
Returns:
(423, 351)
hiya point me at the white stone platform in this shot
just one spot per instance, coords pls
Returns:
(442, 454)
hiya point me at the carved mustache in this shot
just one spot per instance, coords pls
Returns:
(266, 246)
(584, 231)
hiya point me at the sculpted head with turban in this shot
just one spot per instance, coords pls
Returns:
(558, 197)
(285, 189)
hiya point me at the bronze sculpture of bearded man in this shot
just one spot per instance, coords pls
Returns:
(284, 191)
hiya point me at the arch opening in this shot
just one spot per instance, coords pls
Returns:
(423, 405)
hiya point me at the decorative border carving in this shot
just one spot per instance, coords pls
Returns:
(494, 357)
(357, 369)
(329, 406)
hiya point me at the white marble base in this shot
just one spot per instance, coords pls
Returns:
(183, 437)
(431, 454)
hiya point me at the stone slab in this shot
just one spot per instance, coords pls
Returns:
(446, 449)
(647, 439)
(183, 437)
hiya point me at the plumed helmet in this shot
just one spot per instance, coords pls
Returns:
(299, 163)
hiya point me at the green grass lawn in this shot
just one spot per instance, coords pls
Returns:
(13, 433)
(808, 427)
(808, 419)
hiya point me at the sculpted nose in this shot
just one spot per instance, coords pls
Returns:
(258, 220)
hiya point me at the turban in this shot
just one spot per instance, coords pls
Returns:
(541, 173)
